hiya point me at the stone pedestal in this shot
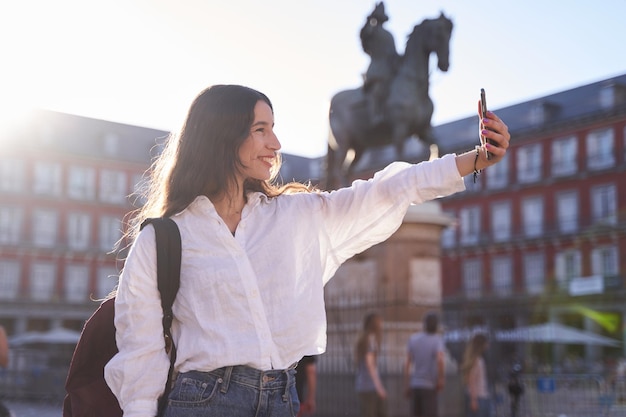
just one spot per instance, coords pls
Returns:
(400, 279)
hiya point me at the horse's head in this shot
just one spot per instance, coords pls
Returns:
(432, 35)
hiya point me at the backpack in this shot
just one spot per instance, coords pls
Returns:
(87, 394)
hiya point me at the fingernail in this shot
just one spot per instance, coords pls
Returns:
(484, 131)
(485, 120)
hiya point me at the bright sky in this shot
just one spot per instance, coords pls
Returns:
(142, 62)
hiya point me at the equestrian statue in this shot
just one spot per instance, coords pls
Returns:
(393, 104)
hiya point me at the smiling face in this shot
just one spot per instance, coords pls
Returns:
(257, 153)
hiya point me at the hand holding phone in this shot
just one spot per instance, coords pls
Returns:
(483, 110)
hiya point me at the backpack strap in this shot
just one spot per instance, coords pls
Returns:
(169, 249)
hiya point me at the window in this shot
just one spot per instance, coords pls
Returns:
(11, 175)
(567, 211)
(604, 204)
(501, 221)
(81, 183)
(502, 276)
(76, 283)
(107, 280)
(9, 280)
(110, 232)
(532, 216)
(497, 175)
(534, 273)
(78, 230)
(42, 277)
(472, 278)
(10, 225)
(529, 163)
(470, 225)
(113, 187)
(568, 266)
(44, 228)
(47, 179)
(604, 261)
(564, 153)
(600, 149)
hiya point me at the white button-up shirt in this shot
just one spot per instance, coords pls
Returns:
(255, 298)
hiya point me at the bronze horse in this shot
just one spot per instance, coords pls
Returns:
(408, 107)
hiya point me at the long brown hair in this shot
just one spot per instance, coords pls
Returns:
(203, 158)
(371, 326)
(473, 351)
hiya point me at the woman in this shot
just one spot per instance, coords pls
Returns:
(475, 377)
(255, 258)
(372, 393)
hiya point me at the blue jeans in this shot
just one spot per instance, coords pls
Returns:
(234, 391)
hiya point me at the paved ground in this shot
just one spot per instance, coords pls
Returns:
(22, 409)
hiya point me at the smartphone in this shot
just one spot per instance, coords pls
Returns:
(483, 110)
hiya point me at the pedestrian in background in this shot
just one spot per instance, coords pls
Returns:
(424, 371)
(474, 374)
(369, 386)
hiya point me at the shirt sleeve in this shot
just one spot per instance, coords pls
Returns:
(137, 373)
(368, 212)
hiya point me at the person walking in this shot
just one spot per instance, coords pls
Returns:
(424, 370)
(474, 374)
(369, 386)
(255, 258)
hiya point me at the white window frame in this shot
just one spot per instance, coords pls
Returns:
(502, 276)
(567, 211)
(529, 163)
(10, 225)
(81, 183)
(42, 281)
(600, 146)
(12, 174)
(47, 178)
(533, 216)
(605, 261)
(10, 272)
(564, 156)
(568, 265)
(534, 273)
(604, 204)
(113, 186)
(76, 283)
(44, 232)
(78, 230)
(473, 284)
(501, 221)
(470, 225)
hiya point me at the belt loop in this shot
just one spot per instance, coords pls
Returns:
(228, 370)
(288, 373)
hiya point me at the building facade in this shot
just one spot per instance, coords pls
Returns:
(66, 184)
(541, 237)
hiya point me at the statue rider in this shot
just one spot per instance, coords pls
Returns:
(379, 44)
